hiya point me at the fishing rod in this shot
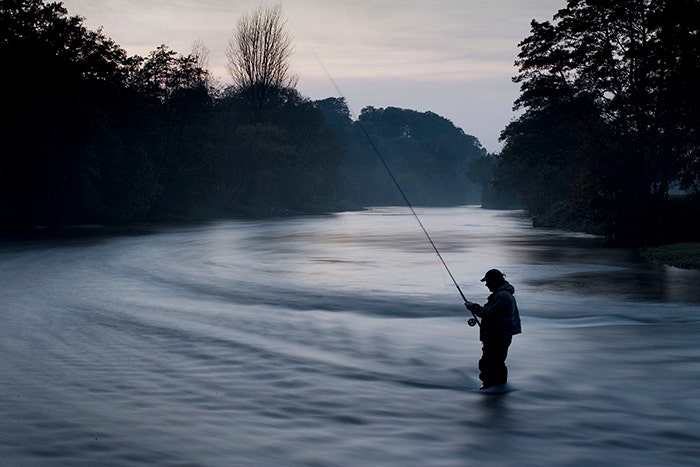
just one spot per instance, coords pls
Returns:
(473, 321)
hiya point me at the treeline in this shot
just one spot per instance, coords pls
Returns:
(429, 157)
(91, 135)
(609, 135)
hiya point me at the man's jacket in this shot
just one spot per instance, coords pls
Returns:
(499, 316)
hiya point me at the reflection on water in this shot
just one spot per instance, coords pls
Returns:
(601, 269)
(340, 340)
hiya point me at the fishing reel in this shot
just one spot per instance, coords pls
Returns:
(472, 322)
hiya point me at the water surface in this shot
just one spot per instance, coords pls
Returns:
(341, 340)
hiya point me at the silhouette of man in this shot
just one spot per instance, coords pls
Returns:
(500, 321)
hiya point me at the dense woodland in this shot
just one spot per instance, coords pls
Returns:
(91, 135)
(606, 139)
(429, 157)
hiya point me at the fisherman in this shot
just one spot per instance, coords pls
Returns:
(500, 321)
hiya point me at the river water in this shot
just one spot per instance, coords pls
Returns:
(340, 340)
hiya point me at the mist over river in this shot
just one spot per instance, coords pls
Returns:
(340, 340)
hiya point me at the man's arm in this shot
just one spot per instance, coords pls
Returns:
(500, 303)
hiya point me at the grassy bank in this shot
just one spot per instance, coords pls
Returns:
(680, 255)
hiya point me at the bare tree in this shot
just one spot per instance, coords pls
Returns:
(259, 54)
(200, 53)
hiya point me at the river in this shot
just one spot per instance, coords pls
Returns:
(341, 340)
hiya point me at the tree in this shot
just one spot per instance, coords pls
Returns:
(259, 55)
(428, 155)
(610, 98)
(96, 137)
(64, 79)
(165, 74)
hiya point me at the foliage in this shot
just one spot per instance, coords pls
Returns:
(97, 136)
(496, 182)
(680, 255)
(610, 96)
(427, 154)
(285, 158)
(49, 168)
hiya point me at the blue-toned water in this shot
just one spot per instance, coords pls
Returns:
(340, 340)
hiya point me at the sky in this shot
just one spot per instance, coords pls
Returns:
(451, 57)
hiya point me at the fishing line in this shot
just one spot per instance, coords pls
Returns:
(472, 321)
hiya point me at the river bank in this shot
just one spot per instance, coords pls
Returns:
(680, 255)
